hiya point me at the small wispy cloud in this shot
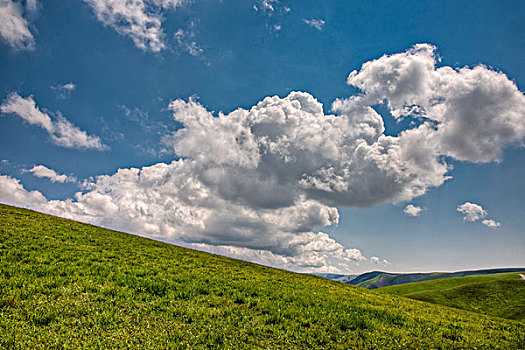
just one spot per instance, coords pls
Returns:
(61, 131)
(32, 6)
(315, 23)
(187, 43)
(144, 120)
(378, 261)
(266, 5)
(65, 90)
(271, 7)
(491, 223)
(42, 171)
(148, 126)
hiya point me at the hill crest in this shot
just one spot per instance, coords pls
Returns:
(66, 283)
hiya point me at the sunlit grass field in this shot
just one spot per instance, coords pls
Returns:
(67, 285)
(501, 295)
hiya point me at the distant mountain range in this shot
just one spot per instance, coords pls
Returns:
(337, 277)
(378, 279)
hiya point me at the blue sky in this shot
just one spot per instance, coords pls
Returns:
(84, 94)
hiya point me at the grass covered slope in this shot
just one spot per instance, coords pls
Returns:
(65, 284)
(501, 295)
(379, 279)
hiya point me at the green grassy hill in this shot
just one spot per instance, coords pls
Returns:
(501, 295)
(379, 279)
(67, 285)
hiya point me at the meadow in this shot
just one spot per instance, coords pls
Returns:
(501, 295)
(68, 285)
(380, 279)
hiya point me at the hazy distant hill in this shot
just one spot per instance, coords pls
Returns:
(378, 279)
(337, 277)
(64, 284)
(501, 295)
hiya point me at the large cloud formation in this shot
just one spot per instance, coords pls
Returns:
(258, 183)
(470, 114)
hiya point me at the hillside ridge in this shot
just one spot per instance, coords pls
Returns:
(380, 279)
(501, 295)
(68, 284)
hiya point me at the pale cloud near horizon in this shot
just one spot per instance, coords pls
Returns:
(377, 261)
(413, 210)
(315, 23)
(14, 28)
(45, 172)
(12, 192)
(141, 20)
(259, 183)
(61, 131)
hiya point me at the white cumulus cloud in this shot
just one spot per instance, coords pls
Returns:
(141, 20)
(413, 210)
(165, 201)
(13, 193)
(469, 114)
(475, 212)
(14, 28)
(61, 131)
(259, 183)
(44, 172)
